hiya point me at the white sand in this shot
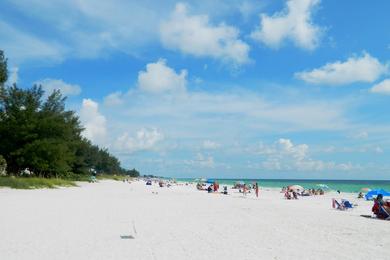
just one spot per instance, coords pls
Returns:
(182, 223)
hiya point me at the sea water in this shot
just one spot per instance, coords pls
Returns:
(341, 185)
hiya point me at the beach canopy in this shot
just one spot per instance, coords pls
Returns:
(210, 181)
(295, 188)
(372, 193)
(323, 186)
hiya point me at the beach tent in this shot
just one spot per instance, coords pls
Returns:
(372, 193)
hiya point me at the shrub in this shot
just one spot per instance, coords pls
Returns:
(3, 166)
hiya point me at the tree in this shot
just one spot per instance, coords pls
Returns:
(3, 166)
(3, 69)
(41, 135)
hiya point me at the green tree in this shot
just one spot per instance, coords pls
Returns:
(3, 69)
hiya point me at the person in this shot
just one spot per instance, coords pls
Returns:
(287, 195)
(244, 189)
(360, 196)
(376, 209)
(295, 195)
(210, 189)
(225, 191)
(216, 186)
(257, 189)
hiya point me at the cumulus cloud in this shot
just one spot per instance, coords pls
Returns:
(93, 122)
(159, 78)
(382, 87)
(196, 35)
(49, 85)
(143, 140)
(363, 68)
(284, 155)
(210, 145)
(294, 23)
(114, 99)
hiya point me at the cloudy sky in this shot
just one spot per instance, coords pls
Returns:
(251, 88)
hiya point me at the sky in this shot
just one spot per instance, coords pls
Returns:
(226, 89)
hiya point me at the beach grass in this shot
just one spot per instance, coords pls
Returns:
(34, 183)
(111, 177)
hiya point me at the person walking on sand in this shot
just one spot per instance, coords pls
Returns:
(257, 189)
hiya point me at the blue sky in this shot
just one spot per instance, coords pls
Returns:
(251, 88)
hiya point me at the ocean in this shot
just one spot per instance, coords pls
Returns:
(341, 185)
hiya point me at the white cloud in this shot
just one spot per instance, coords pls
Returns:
(382, 87)
(201, 160)
(195, 35)
(13, 76)
(49, 85)
(158, 78)
(294, 23)
(144, 140)
(93, 121)
(20, 46)
(210, 145)
(284, 155)
(114, 99)
(360, 135)
(356, 69)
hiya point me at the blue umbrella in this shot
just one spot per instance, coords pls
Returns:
(372, 193)
(210, 181)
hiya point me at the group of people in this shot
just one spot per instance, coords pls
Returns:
(243, 188)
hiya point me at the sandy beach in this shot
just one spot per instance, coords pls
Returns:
(115, 220)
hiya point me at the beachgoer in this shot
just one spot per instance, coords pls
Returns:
(295, 195)
(257, 189)
(244, 189)
(378, 204)
(360, 196)
(225, 191)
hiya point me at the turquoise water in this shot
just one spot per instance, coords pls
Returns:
(342, 185)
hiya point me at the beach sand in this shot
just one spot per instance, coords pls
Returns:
(179, 222)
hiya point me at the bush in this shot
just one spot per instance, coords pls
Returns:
(3, 166)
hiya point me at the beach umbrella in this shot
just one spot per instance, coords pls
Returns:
(210, 181)
(323, 186)
(295, 188)
(372, 193)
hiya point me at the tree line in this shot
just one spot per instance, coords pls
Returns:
(38, 135)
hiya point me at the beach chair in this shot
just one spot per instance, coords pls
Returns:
(338, 205)
(347, 204)
(383, 213)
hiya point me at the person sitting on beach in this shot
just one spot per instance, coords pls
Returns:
(360, 195)
(287, 195)
(295, 195)
(210, 189)
(225, 191)
(378, 204)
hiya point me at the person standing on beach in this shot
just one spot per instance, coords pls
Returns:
(257, 189)
(244, 189)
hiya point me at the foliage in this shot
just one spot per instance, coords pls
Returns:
(40, 135)
(3, 69)
(34, 183)
(3, 166)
